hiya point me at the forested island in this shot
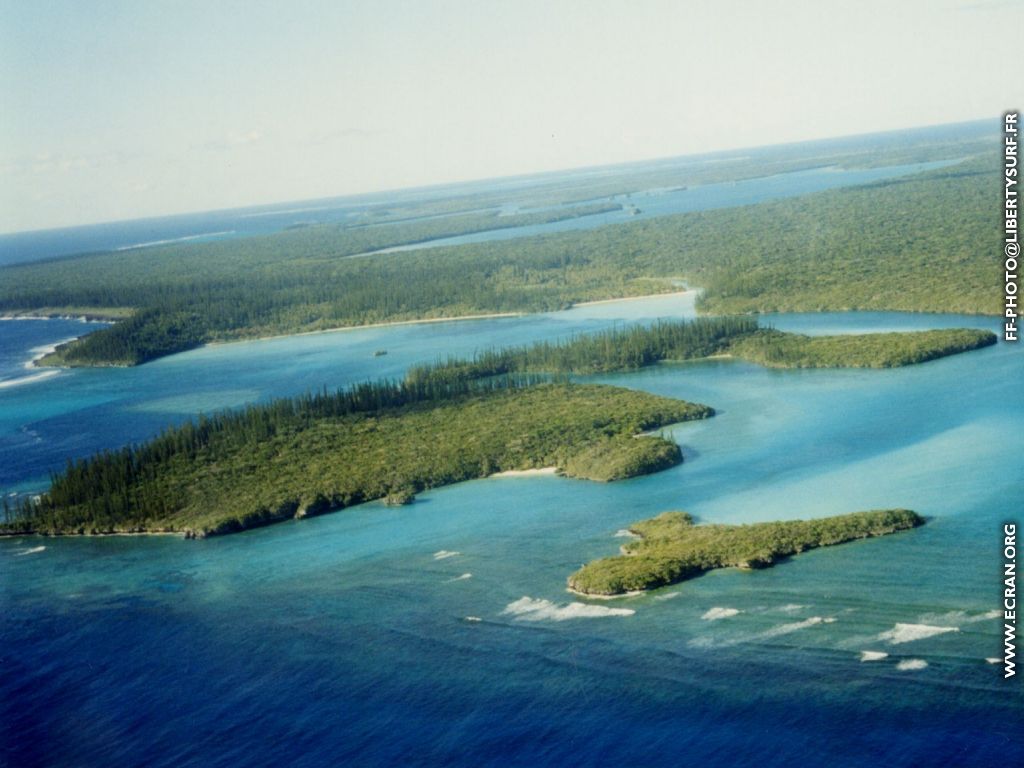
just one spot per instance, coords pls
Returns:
(304, 456)
(672, 549)
(917, 243)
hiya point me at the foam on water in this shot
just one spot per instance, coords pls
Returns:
(717, 613)
(30, 551)
(911, 665)
(873, 655)
(957, 618)
(463, 577)
(444, 554)
(533, 609)
(8, 383)
(624, 533)
(796, 626)
(908, 633)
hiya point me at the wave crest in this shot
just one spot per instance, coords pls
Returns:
(717, 613)
(532, 609)
(908, 633)
(911, 664)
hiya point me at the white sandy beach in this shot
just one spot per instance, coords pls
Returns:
(526, 472)
(424, 321)
(635, 298)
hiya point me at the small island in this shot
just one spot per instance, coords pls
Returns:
(672, 549)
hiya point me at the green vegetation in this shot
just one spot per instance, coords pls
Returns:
(622, 456)
(673, 549)
(622, 349)
(918, 243)
(308, 455)
(617, 349)
(868, 350)
(450, 421)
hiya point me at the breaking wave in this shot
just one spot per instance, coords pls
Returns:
(873, 655)
(908, 633)
(911, 664)
(717, 613)
(531, 609)
(796, 626)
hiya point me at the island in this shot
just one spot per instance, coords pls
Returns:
(670, 548)
(299, 457)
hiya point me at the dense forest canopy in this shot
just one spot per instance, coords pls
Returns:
(303, 456)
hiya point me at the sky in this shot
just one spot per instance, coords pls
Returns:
(118, 110)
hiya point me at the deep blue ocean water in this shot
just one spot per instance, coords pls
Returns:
(353, 639)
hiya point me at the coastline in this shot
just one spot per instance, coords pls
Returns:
(634, 298)
(62, 534)
(488, 316)
(95, 318)
(526, 472)
(588, 596)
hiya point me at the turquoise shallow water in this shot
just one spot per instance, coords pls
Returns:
(351, 638)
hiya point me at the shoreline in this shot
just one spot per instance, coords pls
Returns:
(634, 298)
(634, 593)
(82, 318)
(49, 535)
(488, 316)
(526, 472)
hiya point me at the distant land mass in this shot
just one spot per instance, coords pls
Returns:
(920, 242)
